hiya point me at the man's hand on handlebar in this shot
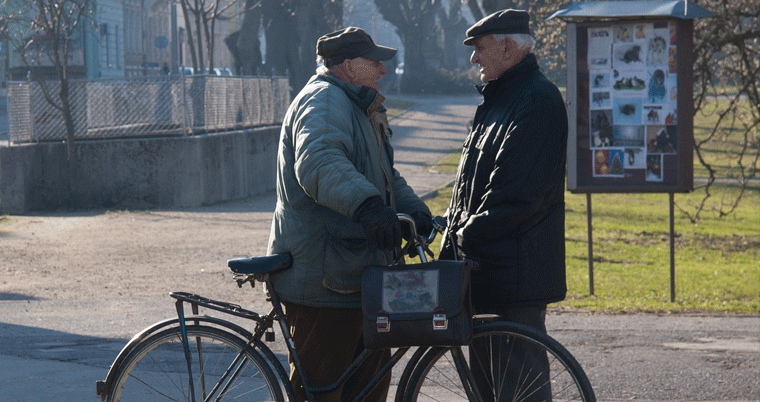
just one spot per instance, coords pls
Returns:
(424, 234)
(379, 223)
(423, 222)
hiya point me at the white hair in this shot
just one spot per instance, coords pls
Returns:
(321, 68)
(523, 42)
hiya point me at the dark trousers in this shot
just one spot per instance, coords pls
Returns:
(517, 371)
(327, 340)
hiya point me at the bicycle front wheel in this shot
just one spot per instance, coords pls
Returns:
(223, 368)
(504, 362)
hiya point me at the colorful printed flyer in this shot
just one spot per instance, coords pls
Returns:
(632, 94)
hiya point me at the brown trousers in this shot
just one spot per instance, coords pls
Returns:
(327, 340)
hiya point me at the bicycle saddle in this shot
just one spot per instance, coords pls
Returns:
(260, 265)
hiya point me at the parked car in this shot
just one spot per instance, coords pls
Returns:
(220, 71)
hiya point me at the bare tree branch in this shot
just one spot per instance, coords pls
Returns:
(43, 33)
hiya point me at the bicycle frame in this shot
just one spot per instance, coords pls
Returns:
(264, 323)
(194, 331)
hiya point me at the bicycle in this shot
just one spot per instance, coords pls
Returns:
(203, 358)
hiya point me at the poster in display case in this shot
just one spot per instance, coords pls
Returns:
(629, 95)
(627, 137)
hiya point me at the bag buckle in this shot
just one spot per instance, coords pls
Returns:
(383, 323)
(440, 322)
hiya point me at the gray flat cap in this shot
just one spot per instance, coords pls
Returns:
(351, 43)
(501, 22)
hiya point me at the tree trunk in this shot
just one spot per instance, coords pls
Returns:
(247, 46)
(199, 38)
(189, 30)
(292, 29)
(313, 19)
(280, 38)
(67, 117)
(414, 21)
(475, 9)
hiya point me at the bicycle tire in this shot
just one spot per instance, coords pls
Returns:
(403, 379)
(435, 378)
(157, 369)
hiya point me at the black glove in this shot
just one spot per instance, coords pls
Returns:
(423, 222)
(380, 224)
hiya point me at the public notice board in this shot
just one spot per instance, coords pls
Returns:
(634, 131)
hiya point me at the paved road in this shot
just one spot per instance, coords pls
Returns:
(54, 347)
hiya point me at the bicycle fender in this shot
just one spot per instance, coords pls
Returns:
(103, 387)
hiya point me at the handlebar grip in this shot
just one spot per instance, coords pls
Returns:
(439, 223)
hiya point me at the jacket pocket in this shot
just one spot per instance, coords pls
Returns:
(346, 255)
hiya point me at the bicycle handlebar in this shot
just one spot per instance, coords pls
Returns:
(421, 242)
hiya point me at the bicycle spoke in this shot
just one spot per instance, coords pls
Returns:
(154, 389)
(240, 364)
(451, 381)
(224, 367)
(505, 362)
(164, 374)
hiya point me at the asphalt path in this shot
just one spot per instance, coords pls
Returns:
(59, 335)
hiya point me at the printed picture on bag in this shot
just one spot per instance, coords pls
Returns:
(410, 291)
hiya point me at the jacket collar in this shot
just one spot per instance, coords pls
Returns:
(366, 98)
(527, 65)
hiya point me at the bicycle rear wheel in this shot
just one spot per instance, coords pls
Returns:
(223, 367)
(504, 362)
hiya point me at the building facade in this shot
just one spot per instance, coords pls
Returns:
(128, 38)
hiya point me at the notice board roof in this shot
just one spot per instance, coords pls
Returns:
(621, 9)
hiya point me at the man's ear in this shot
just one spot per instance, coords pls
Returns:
(507, 45)
(348, 68)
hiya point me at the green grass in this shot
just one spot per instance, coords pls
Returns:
(717, 260)
(722, 151)
(717, 265)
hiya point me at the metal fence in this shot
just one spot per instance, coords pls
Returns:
(144, 107)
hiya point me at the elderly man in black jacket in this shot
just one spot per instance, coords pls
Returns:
(507, 207)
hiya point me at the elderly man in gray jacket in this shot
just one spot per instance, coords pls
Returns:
(337, 198)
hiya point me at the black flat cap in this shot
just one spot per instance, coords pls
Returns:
(501, 22)
(350, 43)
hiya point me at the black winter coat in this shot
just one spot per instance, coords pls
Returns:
(508, 197)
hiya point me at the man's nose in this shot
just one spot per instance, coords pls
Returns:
(383, 70)
(474, 57)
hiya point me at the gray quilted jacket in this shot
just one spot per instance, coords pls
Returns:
(330, 160)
